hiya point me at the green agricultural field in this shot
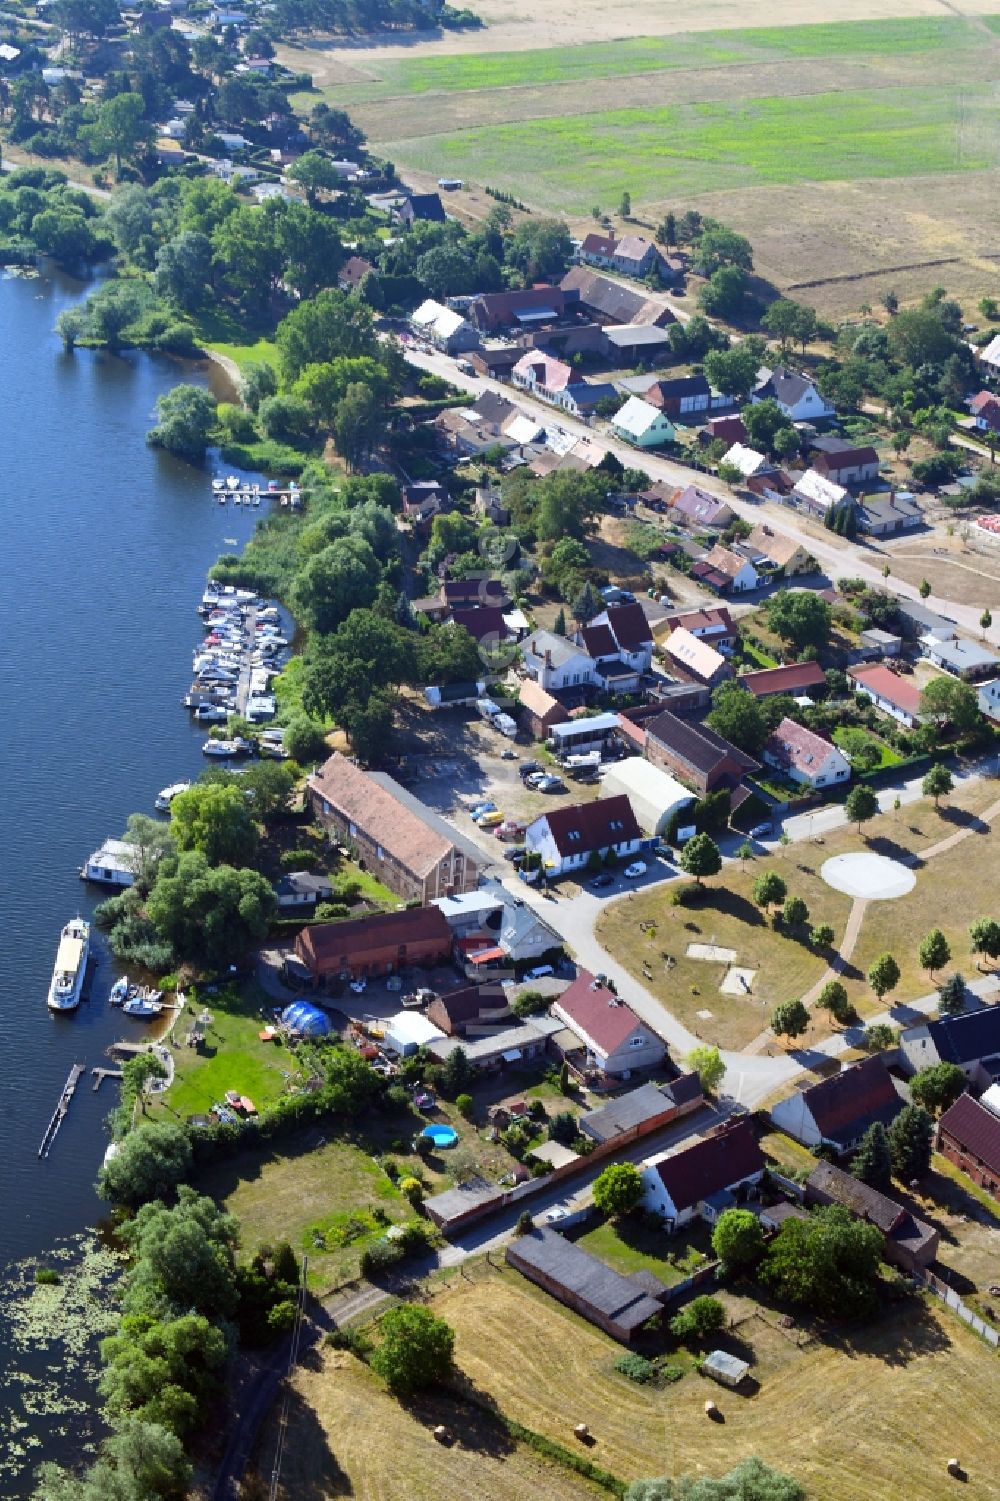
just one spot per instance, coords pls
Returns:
(675, 151)
(636, 55)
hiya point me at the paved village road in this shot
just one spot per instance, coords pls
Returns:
(838, 558)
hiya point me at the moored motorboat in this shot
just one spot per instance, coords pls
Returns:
(119, 992)
(66, 984)
(167, 794)
(143, 1005)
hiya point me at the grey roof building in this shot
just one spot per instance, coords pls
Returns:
(642, 1110)
(617, 1304)
(962, 658)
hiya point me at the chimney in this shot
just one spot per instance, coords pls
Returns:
(548, 660)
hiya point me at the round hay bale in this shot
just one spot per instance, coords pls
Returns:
(581, 1431)
(442, 1434)
(710, 1409)
(954, 1468)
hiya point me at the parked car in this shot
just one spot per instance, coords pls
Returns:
(600, 882)
(516, 853)
(550, 783)
(761, 830)
(534, 777)
(529, 768)
(509, 830)
(555, 1215)
(490, 820)
(508, 755)
(478, 809)
(539, 972)
(637, 868)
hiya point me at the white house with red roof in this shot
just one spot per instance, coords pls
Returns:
(701, 1181)
(615, 1039)
(896, 696)
(566, 838)
(804, 756)
(985, 408)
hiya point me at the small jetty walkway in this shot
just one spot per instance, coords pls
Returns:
(60, 1112)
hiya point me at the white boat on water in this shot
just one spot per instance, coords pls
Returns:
(143, 1004)
(167, 795)
(220, 748)
(119, 992)
(71, 966)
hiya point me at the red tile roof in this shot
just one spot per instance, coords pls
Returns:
(598, 1013)
(794, 678)
(702, 620)
(888, 685)
(793, 745)
(630, 627)
(845, 1105)
(974, 1128)
(711, 1165)
(324, 943)
(599, 825)
(599, 641)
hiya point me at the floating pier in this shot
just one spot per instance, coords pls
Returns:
(100, 1074)
(59, 1114)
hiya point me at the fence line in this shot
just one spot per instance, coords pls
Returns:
(949, 1296)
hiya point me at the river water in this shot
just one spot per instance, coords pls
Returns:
(104, 547)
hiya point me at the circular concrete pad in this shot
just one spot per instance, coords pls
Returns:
(870, 877)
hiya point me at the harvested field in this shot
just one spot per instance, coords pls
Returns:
(895, 1398)
(347, 1436)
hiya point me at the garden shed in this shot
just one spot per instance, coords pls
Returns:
(725, 1368)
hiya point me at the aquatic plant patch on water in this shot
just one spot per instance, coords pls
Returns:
(50, 1334)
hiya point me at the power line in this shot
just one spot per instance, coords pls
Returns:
(293, 1356)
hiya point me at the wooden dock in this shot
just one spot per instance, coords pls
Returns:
(246, 668)
(129, 1049)
(59, 1114)
(100, 1074)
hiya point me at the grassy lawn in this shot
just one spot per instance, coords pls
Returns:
(630, 1246)
(544, 66)
(888, 757)
(952, 890)
(327, 1199)
(577, 160)
(847, 1418)
(754, 655)
(962, 1185)
(263, 352)
(787, 1154)
(233, 1057)
(347, 1436)
(786, 966)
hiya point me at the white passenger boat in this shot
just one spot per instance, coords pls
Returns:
(119, 992)
(71, 966)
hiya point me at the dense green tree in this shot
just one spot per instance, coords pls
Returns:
(821, 936)
(160, 1372)
(150, 1162)
(120, 128)
(799, 617)
(150, 840)
(540, 249)
(356, 424)
(828, 1263)
(860, 805)
(833, 998)
(618, 1189)
(707, 1062)
(750, 1480)
(329, 325)
(918, 336)
(699, 1319)
(795, 913)
(789, 1019)
(725, 294)
(935, 951)
(764, 420)
(791, 322)
(718, 247)
(872, 1162)
(187, 417)
(739, 717)
(883, 975)
(456, 1074)
(938, 1086)
(911, 1142)
(258, 381)
(305, 739)
(341, 578)
(209, 914)
(951, 996)
(286, 418)
(984, 937)
(215, 820)
(314, 171)
(948, 700)
(415, 1349)
(586, 604)
(365, 653)
(701, 857)
(878, 1037)
(738, 1239)
(769, 890)
(184, 269)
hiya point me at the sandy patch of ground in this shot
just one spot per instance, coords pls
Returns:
(738, 981)
(711, 951)
(868, 877)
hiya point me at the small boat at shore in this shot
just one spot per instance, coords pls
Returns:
(143, 1003)
(166, 796)
(119, 992)
(66, 984)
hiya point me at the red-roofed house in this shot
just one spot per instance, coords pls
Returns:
(567, 837)
(704, 1179)
(632, 633)
(804, 756)
(713, 624)
(839, 1110)
(985, 407)
(969, 1136)
(796, 678)
(615, 1039)
(895, 696)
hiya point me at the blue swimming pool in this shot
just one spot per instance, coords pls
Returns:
(441, 1136)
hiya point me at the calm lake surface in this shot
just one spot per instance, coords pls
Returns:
(104, 548)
